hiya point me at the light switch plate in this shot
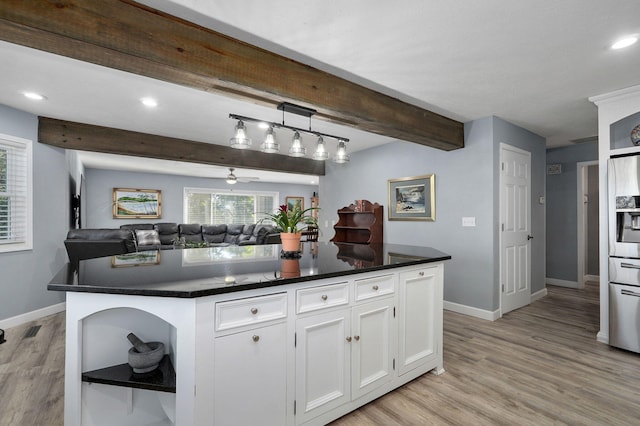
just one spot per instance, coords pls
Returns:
(469, 221)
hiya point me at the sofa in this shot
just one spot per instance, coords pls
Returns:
(129, 238)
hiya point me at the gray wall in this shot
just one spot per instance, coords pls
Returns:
(562, 210)
(466, 185)
(100, 183)
(25, 274)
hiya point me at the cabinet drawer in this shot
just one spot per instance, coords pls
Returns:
(374, 287)
(253, 310)
(326, 296)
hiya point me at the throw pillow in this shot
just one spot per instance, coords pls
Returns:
(147, 237)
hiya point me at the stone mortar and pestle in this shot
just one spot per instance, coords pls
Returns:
(144, 357)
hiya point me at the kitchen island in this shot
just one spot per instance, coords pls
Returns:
(250, 337)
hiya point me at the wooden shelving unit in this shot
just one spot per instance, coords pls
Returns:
(359, 223)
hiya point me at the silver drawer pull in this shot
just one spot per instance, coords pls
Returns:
(630, 293)
(255, 337)
(324, 297)
(375, 288)
(254, 311)
(421, 274)
(629, 265)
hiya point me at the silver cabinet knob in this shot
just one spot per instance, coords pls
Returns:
(349, 339)
(375, 287)
(356, 337)
(324, 297)
(254, 311)
(255, 337)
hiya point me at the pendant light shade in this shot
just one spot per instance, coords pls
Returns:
(297, 150)
(321, 153)
(341, 156)
(270, 145)
(240, 139)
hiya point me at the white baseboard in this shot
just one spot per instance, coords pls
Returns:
(562, 283)
(471, 311)
(602, 337)
(538, 294)
(33, 315)
(592, 278)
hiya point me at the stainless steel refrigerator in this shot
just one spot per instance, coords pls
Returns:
(624, 252)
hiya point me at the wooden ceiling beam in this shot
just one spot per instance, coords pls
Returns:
(131, 37)
(87, 137)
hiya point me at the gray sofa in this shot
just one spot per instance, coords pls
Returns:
(91, 243)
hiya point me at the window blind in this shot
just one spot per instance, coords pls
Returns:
(216, 207)
(15, 194)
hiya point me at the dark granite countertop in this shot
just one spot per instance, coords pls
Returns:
(202, 272)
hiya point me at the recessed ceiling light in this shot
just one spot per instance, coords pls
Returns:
(34, 96)
(624, 42)
(150, 102)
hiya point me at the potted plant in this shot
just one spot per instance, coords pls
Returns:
(287, 220)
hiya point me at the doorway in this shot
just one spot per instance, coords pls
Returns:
(515, 228)
(587, 221)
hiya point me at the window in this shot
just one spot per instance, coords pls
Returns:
(15, 194)
(217, 207)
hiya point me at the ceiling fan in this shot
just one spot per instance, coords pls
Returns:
(232, 179)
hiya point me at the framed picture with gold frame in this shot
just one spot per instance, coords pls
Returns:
(295, 201)
(137, 203)
(412, 198)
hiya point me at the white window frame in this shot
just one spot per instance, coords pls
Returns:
(24, 242)
(187, 190)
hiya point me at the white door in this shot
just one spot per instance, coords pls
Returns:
(371, 347)
(515, 224)
(323, 351)
(250, 385)
(419, 319)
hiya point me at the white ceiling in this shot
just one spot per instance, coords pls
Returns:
(533, 63)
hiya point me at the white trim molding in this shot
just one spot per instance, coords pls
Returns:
(562, 283)
(33, 315)
(538, 295)
(471, 311)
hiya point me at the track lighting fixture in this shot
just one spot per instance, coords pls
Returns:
(270, 145)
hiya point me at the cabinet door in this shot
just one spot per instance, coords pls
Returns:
(250, 377)
(420, 317)
(372, 346)
(322, 363)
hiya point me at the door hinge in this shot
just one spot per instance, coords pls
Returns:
(394, 364)
(394, 311)
(502, 167)
(503, 288)
(503, 227)
(294, 407)
(295, 340)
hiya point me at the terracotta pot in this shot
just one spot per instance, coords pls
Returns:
(290, 241)
(290, 268)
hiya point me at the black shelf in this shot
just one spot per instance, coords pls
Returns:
(162, 379)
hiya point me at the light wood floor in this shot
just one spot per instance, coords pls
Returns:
(539, 365)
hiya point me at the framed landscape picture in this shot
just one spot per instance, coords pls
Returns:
(295, 201)
(413, 198)
(143, 258)
(137, 203)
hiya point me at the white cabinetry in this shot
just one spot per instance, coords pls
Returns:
(420, 316)
(342, 354)
(250, 361)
